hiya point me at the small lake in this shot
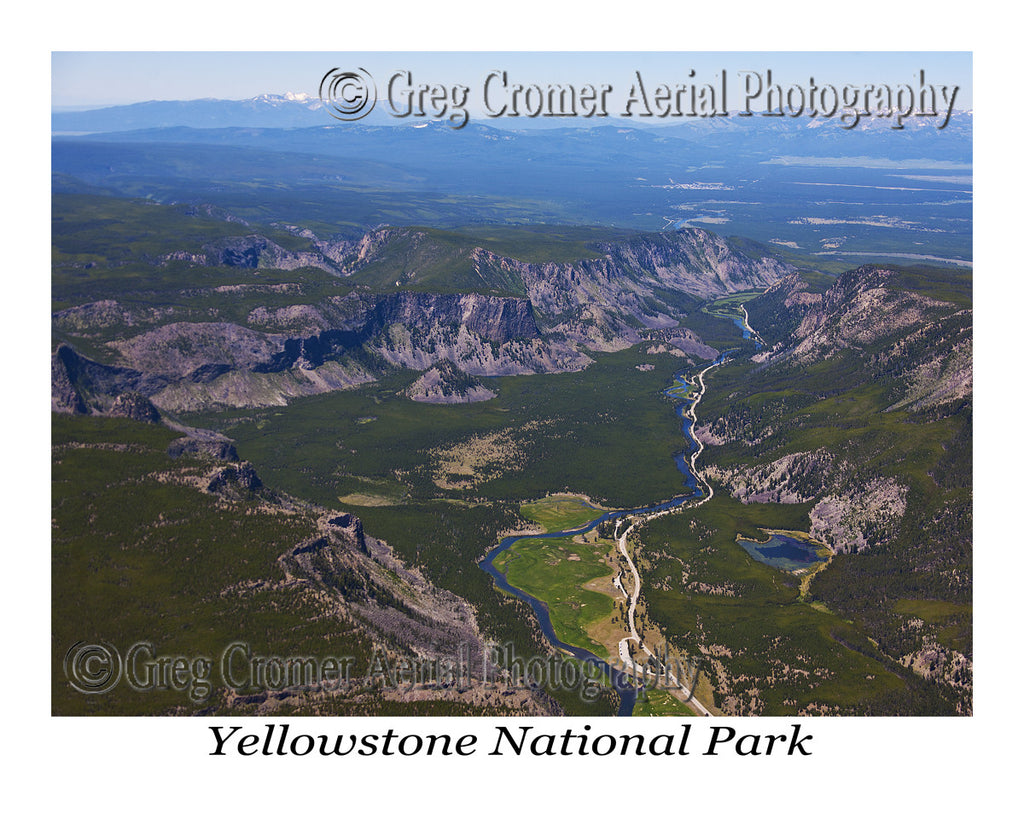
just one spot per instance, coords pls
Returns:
(783, 552)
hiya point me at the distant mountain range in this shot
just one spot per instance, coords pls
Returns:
(264, 111)
(301, 110)
(865, 192)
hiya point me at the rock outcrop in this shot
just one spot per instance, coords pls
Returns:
(135, 406)
(396, 603)
(81, 385)
(218, 449)
(236, 479)
(444, 383)
(254, 251)
(64, 393)
(187, 366)
(281, 351)
(924, 344)
(601, 303)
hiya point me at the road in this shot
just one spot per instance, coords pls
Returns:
(749, 329)
(631, 598)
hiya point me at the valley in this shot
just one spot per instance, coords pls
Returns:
(413, 422)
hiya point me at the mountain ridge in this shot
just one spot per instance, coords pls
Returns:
(298, 347)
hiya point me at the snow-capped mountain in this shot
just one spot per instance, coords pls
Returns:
(304, 110)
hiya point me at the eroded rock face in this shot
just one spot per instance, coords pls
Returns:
(597, 302)
(444, 383)
(698, 262)
(926, 343)
(349, 526)
(396, 603)
(198, 351)
(298, 349)
(692, 344)
(135, 406)
(793, 478)
(64, 396)
(221, 450)
(80, 385)
(859, 310)
(188, 366)
(493, 318)
(858, 520)
(237, 477)
(256, 251)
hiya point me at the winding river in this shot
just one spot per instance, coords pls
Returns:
(691, 390)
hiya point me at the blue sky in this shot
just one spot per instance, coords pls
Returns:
(100, 78)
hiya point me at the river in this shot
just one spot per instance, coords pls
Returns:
(695, 492)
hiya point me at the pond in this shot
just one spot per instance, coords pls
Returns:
(783, 552)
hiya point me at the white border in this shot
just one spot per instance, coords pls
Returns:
(116, 767)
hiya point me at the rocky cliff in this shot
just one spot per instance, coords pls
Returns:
(842, 359)
(191, 365)
(191, 358)
(600, 303)
(254, 251)
(444, 383)
(922, 346)
(393, 602)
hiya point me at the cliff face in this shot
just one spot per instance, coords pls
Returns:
(192, 365)
(393, 602)
(842, 360)
(81, 386)
(444, 383)
(253, 252)
(135, 406)
(493, 319)
(697, 262)
(601, 303)
(921, 345)
(65, 396)
(292, 346)
(859, 310)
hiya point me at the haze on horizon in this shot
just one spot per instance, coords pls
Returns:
(100, 79)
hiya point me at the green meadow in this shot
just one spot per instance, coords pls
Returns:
(656, 702)
(558, 513)
(555, 570)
